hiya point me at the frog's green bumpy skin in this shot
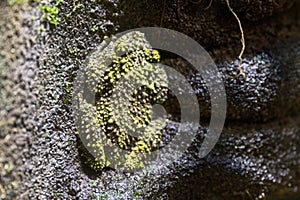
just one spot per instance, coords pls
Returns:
(128, 58)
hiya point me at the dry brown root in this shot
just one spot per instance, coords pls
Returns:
(199, 1)
(241, 72)
(163, 14)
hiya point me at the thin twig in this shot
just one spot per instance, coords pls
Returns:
(243, 43)
(163, 13)
(200, 1)
(209, 5)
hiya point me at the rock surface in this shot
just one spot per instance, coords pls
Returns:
(39, 157)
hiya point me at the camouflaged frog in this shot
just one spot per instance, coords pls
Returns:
(121, 82)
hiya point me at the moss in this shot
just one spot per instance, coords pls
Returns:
(94, 183)
(68, 88)
(76, 7)
(102, 196)
(9, 167)
(13, 2)
(57, 195)
(108, 127)
(94, 28)
(51, 12)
